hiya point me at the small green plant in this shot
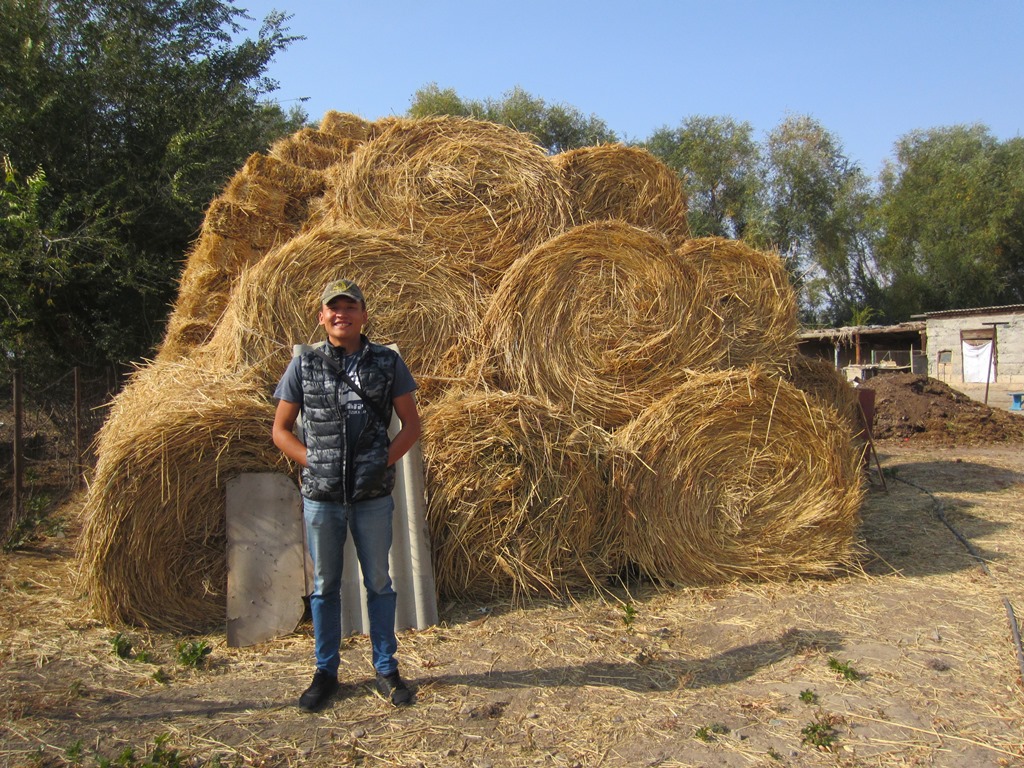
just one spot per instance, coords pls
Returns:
(121, 646)
(774, 754)
(808, 696)
(160, 676)
(193, 653)
(74, 754)
(164, 756)
(628, 615)
(844, 670)
(144, 657)
(709, 732)
(821, 732)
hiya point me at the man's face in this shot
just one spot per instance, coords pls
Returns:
(343, 319)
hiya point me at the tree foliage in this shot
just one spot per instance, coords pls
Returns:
(718, 161)
(952, 212)
(120, 121)
(816, 211)
(556, 127)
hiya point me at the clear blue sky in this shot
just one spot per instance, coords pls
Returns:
(869, 71)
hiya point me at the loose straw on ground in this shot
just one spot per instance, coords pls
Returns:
(736, 475)
(613, 181)
(515, 490)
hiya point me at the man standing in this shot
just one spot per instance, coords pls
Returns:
(346, 389)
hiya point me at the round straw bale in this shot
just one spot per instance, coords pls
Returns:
(736, 475)
(416, 302)
(602, 319)
(613, 181)
(515, 490)
(479, 191)
(345, 125)
(750, 291)
(312, 148)
(820, 379)
(153, 547)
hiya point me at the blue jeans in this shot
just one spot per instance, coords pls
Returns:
(327, 523)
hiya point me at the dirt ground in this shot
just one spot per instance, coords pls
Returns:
(910, 660)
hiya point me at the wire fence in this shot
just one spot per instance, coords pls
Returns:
(47, 432)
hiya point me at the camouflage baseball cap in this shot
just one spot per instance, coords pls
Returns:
(342, 287)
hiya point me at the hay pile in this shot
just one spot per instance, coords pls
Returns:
(516, 496)
(736, 474)
(562, 330)
(613, 181)
(155, 540)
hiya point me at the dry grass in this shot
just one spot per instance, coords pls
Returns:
(562, 685)
(314, 149)
(262, 206)
(824, 382)
(613, 181)
(515, 502)
(345, 125)
(482, 193)
(736, 475)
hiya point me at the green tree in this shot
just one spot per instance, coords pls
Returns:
(816, 211)
(557, 127)
(718, 161)
(952, 215)
(136, 112)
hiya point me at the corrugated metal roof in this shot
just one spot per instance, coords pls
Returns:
(999, 310)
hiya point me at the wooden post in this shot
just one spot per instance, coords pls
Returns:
(19, 450)
(991, 357)
(79, 463)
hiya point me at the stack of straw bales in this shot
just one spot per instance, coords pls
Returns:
(597, 389)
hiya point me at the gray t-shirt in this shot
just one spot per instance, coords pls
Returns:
(289, 388)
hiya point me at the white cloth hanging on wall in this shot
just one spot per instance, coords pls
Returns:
(978, 366)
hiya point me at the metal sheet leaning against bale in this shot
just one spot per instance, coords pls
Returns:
(736, 475)
(153, 548)
(602, 320)
(613, 181)
(515, 496)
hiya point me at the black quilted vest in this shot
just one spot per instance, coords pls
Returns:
(332, 474)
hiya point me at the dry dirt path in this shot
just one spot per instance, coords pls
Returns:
(909, 662)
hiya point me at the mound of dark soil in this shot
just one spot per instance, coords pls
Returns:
(914, 407)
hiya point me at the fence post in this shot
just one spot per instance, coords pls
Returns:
(19, 448)
(79, 463)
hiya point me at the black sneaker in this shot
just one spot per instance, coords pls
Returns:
(394, 689)
(324, 686)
